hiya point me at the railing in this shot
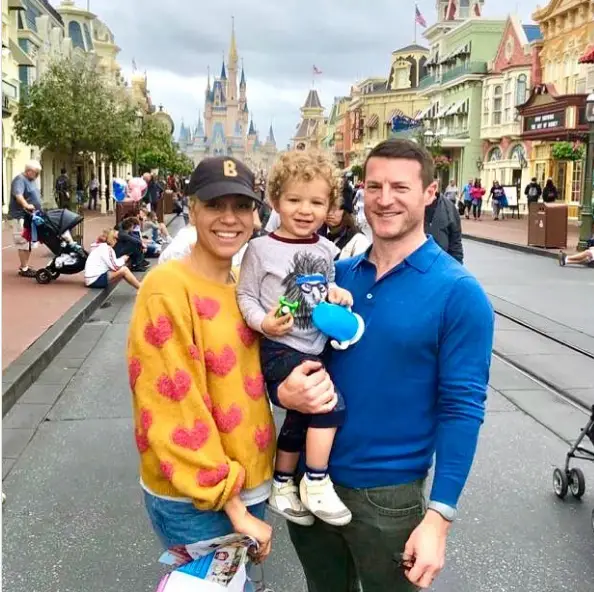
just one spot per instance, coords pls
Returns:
(453, 132)
(464, 70)
(427, 81)
(9, 94)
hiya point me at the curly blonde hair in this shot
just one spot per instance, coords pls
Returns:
(304, 165)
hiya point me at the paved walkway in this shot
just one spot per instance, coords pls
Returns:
(511, 230)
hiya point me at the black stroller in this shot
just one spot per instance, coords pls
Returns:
(52, 228)
(572, 479)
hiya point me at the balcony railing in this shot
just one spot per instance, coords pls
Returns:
(460, 133)
(464, 70)
(10, 96)
(427, 81)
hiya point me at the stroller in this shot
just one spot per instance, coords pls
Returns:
(52, 228)
(573, 480)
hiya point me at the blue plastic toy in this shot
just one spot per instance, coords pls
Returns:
(119, 189)
(340, 324)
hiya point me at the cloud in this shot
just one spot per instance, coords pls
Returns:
(177, 40)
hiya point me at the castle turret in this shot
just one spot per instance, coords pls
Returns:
(270, 139)
(232, 99)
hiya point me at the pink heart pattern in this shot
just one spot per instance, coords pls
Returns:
(134, 370)
(167, 470)
(247, 336)
(142, 442)
(192, 439)
(222, 363)
(212, 477)
(160, 333)
(263, 437)
(207, 401)
(254, 387)
(176, 388)
(194, 352)
(228, 420)
(146, 419)
(141, 433)
(206, 308)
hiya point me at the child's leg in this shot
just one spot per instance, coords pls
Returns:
(317, 449)
(125, 274)
(583, 257)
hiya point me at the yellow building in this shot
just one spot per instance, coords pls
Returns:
(555, 110)
(375, 102)
(312, 129)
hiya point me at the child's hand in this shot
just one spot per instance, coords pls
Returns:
(340, 296)
(277, 326)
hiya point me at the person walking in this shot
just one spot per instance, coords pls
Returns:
(442, 222)
(550, 193)
(63, 190)
(497, 197)
(467, 198)
(25, 198)
(415, 386)
(533, 191)
(451, 191)
(477, 192)
(93, 192)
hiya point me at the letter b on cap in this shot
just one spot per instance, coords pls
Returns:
(229, 168)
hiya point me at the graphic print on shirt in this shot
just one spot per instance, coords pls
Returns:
(306, 283)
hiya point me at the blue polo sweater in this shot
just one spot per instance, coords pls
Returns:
(415, 385)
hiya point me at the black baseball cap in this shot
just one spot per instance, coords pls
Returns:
(219, 176)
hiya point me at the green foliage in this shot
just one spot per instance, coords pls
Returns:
(153, 147)
(182, 165)
(567, 151)
(357, 171)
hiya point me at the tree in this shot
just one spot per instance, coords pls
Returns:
(74, 110)
(182, 165)
(153, 147)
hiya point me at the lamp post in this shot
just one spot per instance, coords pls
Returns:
(586, 214)
(139, 122)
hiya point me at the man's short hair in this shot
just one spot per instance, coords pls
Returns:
(405, 150)
(62, 171)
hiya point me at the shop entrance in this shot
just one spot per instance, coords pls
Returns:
(560, 178)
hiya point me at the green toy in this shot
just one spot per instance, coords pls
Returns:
(286, 307)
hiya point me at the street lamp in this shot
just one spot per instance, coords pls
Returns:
(586, 215)
(138, 124)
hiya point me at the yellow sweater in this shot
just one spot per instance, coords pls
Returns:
(203, 424)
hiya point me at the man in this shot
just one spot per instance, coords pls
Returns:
(533, 191)
(24, 198)
(63, 190)
(467, 198)
(442, 222)
(451, 191)
(414, 386)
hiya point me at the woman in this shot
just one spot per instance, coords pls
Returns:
(204, 428)
(343, 231)
(476, 194)
(550, 193)
(497, 196)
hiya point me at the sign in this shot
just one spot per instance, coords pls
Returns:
(544, 122)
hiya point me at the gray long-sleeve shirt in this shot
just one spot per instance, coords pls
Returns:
(299, 270)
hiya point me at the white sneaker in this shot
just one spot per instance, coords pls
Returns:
(285, 502)
(319, 497)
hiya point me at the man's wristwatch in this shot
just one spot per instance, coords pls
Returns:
(446, 512)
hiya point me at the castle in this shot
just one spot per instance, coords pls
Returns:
(224, 130)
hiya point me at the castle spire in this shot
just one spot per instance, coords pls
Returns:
(233, 57)
(223, 71)
(242, 81)
(271, 139)
(252, 130)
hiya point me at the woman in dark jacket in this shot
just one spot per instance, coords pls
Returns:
(442, 222)
(550, 192)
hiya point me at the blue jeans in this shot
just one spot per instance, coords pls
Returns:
(178, 523)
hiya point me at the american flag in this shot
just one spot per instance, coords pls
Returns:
(419, 18)
(316, 70)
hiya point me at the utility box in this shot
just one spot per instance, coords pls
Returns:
(547, 225)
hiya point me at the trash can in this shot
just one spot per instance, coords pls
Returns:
(547, 225)
(125, 207)
(159, 210)
(168, 199)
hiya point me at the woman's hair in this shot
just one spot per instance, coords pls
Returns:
(348, 221)
(304, 165)
(477, 182)
(151, 215)
(107, 235)
(129, 223)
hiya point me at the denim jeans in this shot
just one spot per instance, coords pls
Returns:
(362, 554)
(178, 523)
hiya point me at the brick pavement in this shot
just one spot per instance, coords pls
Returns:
(29, 309)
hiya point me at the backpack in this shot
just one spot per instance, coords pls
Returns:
(533, 191)
(62, 184)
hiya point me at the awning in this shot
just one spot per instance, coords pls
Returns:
(588, 57)
(459, 51)
(444, 110)
(456, 108)
(372, 121)
(424, 113)
(16, 5)
(394, 113)
(19, 56)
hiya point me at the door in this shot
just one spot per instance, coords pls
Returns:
(560, 178)
(516, 177)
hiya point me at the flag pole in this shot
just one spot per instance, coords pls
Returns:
(415, 25)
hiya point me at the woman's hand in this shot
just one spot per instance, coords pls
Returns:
(340, 296)
(245, 523)
(274, 326)
(308, 389)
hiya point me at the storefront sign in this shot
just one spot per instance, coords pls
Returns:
(544, 122)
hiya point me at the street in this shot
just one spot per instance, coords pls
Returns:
(74, 518)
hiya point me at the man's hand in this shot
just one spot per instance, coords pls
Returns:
(274, 326)
(30, 207)
(425, 549)
(308, 389)
(340, 296)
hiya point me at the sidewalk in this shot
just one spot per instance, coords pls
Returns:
(512, 232)
(29, 309)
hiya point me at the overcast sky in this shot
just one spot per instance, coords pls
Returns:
(176, 40)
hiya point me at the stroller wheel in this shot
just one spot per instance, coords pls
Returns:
(54, 274)
(43, 276)
(560, 483)
(577, 483)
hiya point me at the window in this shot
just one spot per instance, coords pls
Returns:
(88, 37)
(495, 155)
(497, 104)
(576, 181)
(75, 34)
(517, 153)
(521, 88)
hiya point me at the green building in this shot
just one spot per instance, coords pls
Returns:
(459, 56)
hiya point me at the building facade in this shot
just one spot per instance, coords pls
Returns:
(224, 129)
(312, 130)
(554, 114)
(461, 48)
(506, 86)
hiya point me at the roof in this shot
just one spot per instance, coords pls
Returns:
(307, 128)
(271, 138)
(533, 32)
(252, 129)
(412, 47)
(313, 100)
(223, 72)
(242, 81)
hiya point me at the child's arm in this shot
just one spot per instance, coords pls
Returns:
(251, 275)
(115, 263)
(337, 295)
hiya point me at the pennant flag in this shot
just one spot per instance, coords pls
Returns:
(419, 18)
(316, 70)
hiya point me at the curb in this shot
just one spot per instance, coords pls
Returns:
(513, 246)
(26, 369)
(20, 374)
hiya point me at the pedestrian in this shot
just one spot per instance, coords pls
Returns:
(93, 192)
(467, 198)
(62, 188)
(203, 425)
(103, 267)
(497, 198)
(296, 263)
(550, 193)
(585, 257)
(442, 222)
(25, 198)
(342, 229)
(414, 386)
(451, 191)
(477, 192)
(533, 191)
